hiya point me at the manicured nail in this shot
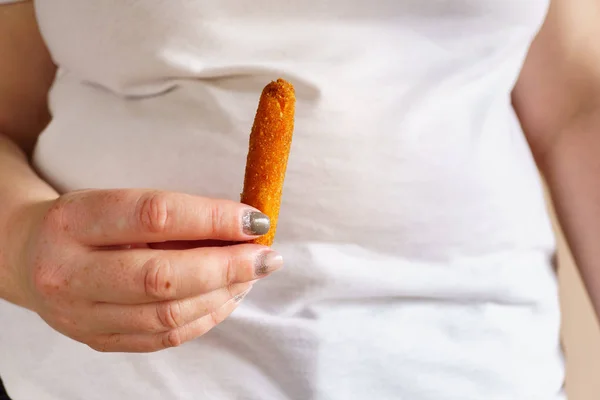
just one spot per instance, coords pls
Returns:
(256, 223)
(241, 296)
(268, 262)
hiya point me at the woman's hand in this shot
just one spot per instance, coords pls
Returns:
(84, 266)
(82, 261)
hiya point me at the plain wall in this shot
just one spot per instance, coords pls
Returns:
(581, 331)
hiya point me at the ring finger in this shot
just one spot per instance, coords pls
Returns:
(162, 316)
(147, 343)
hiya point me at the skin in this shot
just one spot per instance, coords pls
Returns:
(141, 299)
(118, 270)
(557, 99)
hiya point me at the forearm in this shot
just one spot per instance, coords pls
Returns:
(19, 187)
(557, 99)
(571, 166)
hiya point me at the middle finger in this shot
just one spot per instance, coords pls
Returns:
(140, 276)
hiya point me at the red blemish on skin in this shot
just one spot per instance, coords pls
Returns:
(168, 285)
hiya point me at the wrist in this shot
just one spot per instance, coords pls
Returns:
(22, 192)
(16, 231)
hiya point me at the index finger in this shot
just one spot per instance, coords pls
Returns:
(121, 217)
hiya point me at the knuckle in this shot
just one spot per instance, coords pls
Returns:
(42, 282)
(217, 217)
(159, 278)
(103, 344)
(56, 215)
(230, 289)
(209, 305)
(63, 214)
(153, 212)
(48, 281)
(170, 315)
(81, 338)
(97, 347)
(229, 268)
(64, 321)
(215, 318)
(172, 338)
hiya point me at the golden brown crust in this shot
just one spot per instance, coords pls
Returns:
(268, 153)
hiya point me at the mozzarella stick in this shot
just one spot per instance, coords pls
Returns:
(268, 153)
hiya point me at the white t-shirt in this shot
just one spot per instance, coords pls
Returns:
(417, 245)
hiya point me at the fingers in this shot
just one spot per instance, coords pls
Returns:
(145, 276)
(189, 244)
(162, 316)
(115, 217)
(145, 343)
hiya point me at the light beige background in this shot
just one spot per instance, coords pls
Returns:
(581, 331)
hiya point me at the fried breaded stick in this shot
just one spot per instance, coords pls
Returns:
(270, 142)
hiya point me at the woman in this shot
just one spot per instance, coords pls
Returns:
(417, 247)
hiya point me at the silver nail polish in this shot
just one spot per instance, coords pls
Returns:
(268, 262)
(255, 223)
(241, 296)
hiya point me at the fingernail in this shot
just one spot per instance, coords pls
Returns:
(268, 262)
(256, 223)
(241, 296)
